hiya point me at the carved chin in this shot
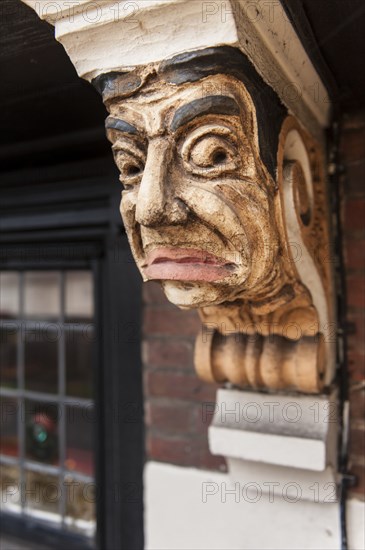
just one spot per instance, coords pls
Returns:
(193, 278)
(192, 295)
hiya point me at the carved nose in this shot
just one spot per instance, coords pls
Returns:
(156, 203)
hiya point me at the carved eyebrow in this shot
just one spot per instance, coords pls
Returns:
(112, 123)
(215, 104)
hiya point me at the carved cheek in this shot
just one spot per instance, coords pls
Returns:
(128, 208)
(211, 209)
(252, 216)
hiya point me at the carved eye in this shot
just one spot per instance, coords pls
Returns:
(211, 151)
(130, 162)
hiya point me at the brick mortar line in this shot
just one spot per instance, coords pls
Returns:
(179, 402)
(150, 368)
(357, 460)
(175, 370)
(183, 437)
(357, 424)
(164, 337)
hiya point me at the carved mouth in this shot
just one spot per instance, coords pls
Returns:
(186, 264)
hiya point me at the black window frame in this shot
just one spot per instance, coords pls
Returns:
(74, 223)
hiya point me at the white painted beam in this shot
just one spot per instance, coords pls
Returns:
(105, 36)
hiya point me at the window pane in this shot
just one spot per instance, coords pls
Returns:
(42, 294)
(79, 295)
(41, 357)
(9, 488)
(9, 294)
(8, 426)
(79, 341)
(80, 506)
(42, 496)
(80, 425)
(8, 356)
(40, 337)
(41, 429)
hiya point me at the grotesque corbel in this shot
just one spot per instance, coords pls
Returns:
(224, 204)
(224, 199)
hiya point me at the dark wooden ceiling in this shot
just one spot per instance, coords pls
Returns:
(41, 95)
(333, 32)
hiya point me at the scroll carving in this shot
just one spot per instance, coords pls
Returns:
(285, 343)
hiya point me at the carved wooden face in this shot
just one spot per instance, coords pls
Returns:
(198, 203)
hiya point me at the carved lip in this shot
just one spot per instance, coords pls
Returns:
(186, 264)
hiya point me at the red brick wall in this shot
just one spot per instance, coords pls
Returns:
(175, 398)
(353, 224)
